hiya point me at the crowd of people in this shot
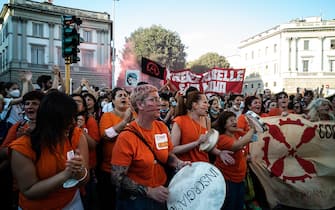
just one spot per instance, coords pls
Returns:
(102, 149)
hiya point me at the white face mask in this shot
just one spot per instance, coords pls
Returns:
(15, 93)
(103, 103)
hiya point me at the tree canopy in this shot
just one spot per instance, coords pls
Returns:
(207, 61)
(160, 45)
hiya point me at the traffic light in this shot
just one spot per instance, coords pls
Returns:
(70, 38)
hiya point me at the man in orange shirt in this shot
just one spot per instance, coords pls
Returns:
(137, 165)
(282, 101)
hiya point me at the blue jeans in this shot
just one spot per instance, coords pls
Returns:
(139, 203)
(234, 196)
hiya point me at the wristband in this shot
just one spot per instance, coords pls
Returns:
(85, 175)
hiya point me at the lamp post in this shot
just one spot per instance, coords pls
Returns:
(113, 47)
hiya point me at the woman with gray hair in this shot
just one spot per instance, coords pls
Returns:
(140, 153)
(320, 109)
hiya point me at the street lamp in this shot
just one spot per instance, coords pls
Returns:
(113, 46)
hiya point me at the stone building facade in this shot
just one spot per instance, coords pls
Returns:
(300, 53)
(31, 39)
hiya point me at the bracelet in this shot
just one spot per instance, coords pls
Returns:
(84, 177)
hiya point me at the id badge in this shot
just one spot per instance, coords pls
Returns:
(161, 141)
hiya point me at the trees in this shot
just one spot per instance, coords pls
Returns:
(156, 43)
(160, 45)
(207, 61)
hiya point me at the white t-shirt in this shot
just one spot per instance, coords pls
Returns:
(15, 113)
(108, 107)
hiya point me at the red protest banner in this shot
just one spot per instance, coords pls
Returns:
(216, 80)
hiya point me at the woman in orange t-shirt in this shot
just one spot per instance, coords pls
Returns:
(137, 170)
(190, 127)
(39, 161)
(111, 124)
(234, 174)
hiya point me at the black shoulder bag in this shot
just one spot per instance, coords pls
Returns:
(169, 171)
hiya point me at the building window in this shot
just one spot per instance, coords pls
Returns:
(5, 33)
(87, 36)
(275, 48)
(266, 67)
(252, 86)
(246, 56)
(38, 29)
(246, 86)
(332, 65)
(6, 56)
(266, 84)
(87, 58)
(275, 68)
(61, 60)
(259, 85)
(306, 44)
(305, 65)
(332, 44)
(1, 69)
(37, 54)
(252, 54)
(259, 53)
(274, 84)
(60, 32)
(266, 51)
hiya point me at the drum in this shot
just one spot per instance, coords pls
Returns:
(197, 187)
(212, 139)
(260, 126)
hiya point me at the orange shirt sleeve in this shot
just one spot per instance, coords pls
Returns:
(107, 120)
(237, 171)
(93, 128)
(11, 135)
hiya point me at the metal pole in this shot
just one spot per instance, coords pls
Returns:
(67, 75)
(113, 47)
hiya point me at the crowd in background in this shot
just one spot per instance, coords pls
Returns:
(100, 116)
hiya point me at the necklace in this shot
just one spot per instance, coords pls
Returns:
(118, 113)
(198, 131)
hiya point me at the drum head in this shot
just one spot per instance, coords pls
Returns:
(197, 187)
(212, 139)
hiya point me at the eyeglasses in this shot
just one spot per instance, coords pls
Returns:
(153, 99)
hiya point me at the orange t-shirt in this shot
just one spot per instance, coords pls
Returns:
(277, 112)
(107, 120)
(12, 134)
(130, 151)
(93, 132)
(47, 166)
(190, 132)
(236, 172)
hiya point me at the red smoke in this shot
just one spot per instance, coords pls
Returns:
(129, 61)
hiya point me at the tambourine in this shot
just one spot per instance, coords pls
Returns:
(257, 121)
(197, 187)
(212, 138)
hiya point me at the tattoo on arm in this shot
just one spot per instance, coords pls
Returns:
(122, 181)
